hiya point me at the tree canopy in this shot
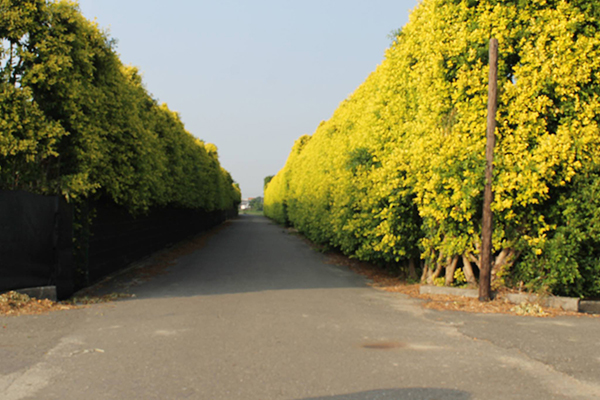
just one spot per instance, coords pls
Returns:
(75, 121)
(397, 173)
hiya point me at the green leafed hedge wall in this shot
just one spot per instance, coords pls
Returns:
(74, 120)
(397, 173)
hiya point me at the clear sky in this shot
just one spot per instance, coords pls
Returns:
(251, 76)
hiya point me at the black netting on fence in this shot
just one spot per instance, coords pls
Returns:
(35, 242)
(117, 238)
(45, 241)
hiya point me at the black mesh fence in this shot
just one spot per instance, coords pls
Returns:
(117, 238)
(36, 247)
(45, 241)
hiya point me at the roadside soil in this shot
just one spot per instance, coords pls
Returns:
(386, 281)
(14, 304)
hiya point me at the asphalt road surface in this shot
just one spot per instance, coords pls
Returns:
(255, 313)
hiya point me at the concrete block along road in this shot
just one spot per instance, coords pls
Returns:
(254, 313)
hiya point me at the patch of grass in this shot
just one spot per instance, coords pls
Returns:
(252, 212)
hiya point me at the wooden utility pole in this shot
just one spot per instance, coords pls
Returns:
(488, 195)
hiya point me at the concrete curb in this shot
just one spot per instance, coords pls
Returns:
(564, 303)
(452, 291)
(40, 293)
(589, 306)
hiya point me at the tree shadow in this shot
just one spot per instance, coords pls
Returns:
(401, 394)
(247, 254)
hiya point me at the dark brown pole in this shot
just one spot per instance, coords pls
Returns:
(486, 229)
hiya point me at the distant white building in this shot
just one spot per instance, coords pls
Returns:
(245, 204)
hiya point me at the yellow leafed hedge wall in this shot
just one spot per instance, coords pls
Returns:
(75, 121)
(397, 173)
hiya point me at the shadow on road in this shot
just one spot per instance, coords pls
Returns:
(401, 394)
(248, 254)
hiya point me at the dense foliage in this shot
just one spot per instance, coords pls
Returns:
(74, 120)
(256, 204)
(397, 173)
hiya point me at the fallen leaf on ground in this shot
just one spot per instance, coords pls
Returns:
(382, 279)
(14, 304)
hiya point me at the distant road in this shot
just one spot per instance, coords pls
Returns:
(254, 313)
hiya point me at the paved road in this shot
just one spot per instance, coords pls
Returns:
(255, 313)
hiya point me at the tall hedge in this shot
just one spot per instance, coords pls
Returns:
(74, 120)
(397, 173)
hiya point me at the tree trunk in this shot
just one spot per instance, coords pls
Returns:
(506, 257)
(425, 273)
(474, 260)
(433, 276)
(468, 270)
(450, 269)
(412, 272)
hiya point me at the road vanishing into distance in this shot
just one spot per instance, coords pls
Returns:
(250, 311)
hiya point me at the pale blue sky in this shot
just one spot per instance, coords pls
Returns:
(251, 76)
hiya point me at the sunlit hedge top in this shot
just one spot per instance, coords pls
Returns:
(75, 121)
(397, 172)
